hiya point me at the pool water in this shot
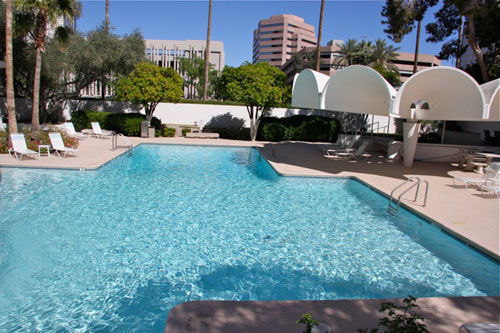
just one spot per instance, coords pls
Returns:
(117, 248)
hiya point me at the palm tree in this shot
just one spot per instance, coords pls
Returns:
(45, 12)
(320, 30)
(106, 16)
(207, 52)
(384, 55)
(11, 102)
(348, 52)
(364, 53)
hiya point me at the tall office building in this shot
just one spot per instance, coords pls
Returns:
(280, 36)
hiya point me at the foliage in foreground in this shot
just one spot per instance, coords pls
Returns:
(43, 139)
(400, 319)
(308, 321)
(148, 85)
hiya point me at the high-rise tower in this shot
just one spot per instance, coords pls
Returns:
(280, 36)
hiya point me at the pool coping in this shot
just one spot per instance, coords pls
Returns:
(258, 145)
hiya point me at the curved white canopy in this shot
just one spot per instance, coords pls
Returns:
(358, 89)
(491, 91)
(307, 89)
(440, 93)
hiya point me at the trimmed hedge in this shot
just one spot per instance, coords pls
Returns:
(185, 130)
(168, 132)
(128, 124)
(299, 128)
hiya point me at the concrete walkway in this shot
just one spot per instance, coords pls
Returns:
(440, 314)
(467, 214)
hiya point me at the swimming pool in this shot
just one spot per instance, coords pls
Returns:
(117, 248)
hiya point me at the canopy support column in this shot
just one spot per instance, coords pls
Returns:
(411, 128)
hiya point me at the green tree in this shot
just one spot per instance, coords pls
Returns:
(148, 85)
(384, 55)
(348, 52)
(260, 87)
(115, 56)
(11, 103)
(301, 61)
(482, 31)
(364, 53)
(401, 16)
(391, 76)
(43, 13)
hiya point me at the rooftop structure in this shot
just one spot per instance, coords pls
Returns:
(280, 36)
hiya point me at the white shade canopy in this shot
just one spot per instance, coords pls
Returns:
(440, 93)
(307, 89)
(491, 91)
(358, 89)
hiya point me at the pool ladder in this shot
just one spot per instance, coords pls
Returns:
(128, 145)
(392, 209)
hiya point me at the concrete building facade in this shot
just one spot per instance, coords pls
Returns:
(405, 60)
(280, 36)
(167, 53)
(330, 61)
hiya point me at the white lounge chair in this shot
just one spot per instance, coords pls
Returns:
(348, 153)
(98, 132)
(491, 171)
(494, 188)
(70, 129)
(19, 146)
(58, 144)
(338, 145)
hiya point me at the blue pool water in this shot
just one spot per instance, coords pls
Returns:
(117, 248)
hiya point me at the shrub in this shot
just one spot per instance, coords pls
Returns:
(400, 318)
(274, 131)
(128, 124)
(234, 133)
(315, 130)
(185, 130)
(430, 138)
(300, 127)
(4, 142)
(168, 132)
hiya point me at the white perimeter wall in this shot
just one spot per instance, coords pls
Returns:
(188, 114)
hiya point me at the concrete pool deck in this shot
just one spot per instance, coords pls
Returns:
(466, 214)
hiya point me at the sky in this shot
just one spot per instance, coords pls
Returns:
(233, 21)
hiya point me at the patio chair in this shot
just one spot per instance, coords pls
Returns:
(70, 129)
(338, 145)
(19, 146)
(348, 153)
(58, 144)
(491, 171)
(493, 188)
(98, 132)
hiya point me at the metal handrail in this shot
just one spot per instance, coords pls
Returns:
(114, 142)
(394, 211)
